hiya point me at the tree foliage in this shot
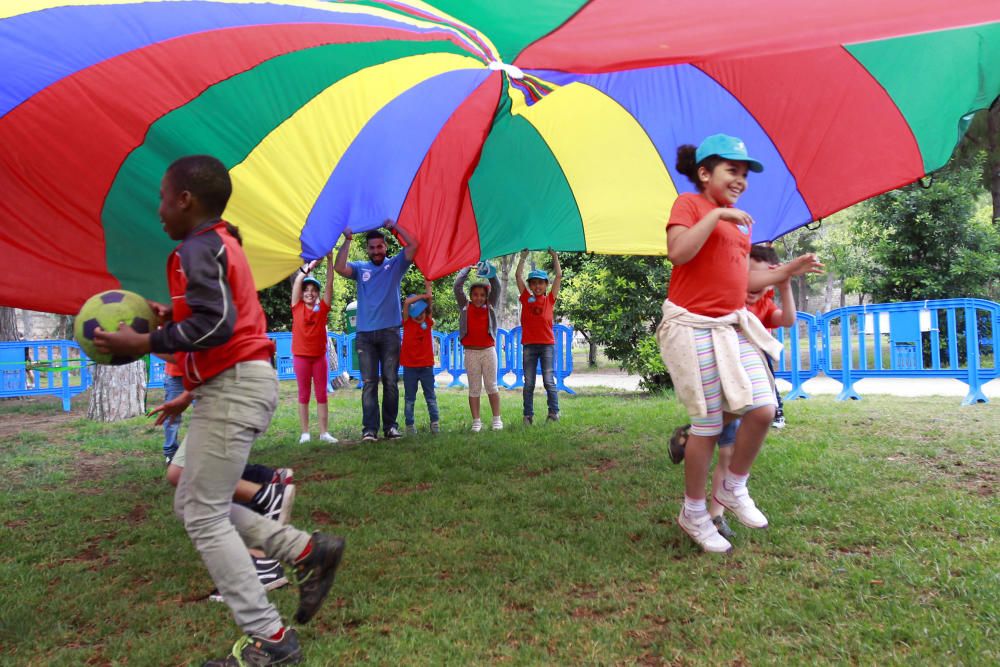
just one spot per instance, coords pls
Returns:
(616, 301)
(930, 243)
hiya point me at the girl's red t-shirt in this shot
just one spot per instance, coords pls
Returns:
(764, 309)
(309, 329)
(477, 327)
(714, 282)
(417, 350)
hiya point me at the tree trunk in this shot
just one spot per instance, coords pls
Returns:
(843, 295)
(802, 303)
(8, 324)
(117, 392)
(592, 355)
(828, 294)
(993, 157)
(503, 273)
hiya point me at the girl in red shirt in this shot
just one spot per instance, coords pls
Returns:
(706, 330)
(309, 345)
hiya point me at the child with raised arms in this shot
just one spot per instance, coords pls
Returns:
(477, 330)
(416, 356)
(538, 342)
(712, 346)
(309, 346)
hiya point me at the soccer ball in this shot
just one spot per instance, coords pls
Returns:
(107, 310)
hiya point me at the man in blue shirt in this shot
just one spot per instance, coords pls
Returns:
(379, 319)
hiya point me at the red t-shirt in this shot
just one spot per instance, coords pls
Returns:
(309, 329)
(713, 282)
(477, 327)
(536, 319)
(173, 370)
(417, 350)
(764, 309)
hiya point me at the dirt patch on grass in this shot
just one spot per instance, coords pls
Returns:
(90, 467)
(979, 477)
(55, 423)
(531, 474)
(604, 465)
(322, 477)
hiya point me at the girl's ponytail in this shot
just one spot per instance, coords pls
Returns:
(686, 163)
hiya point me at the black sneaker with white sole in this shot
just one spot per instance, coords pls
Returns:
(275, 502)
(269, 572)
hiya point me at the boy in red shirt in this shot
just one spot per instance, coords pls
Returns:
(416, 356)
(216, 332)
(538, 342)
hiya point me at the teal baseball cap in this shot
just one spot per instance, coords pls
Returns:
(417, 307)
(727, 147)
(309, 280)
(538, 274)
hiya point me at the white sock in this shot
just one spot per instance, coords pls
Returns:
(694, 506)
(734, 481)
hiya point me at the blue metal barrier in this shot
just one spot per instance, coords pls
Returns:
(913, 339)
(562, 358)
(43, 368)
(790, 366)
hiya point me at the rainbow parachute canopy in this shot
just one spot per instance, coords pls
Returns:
(482, 126)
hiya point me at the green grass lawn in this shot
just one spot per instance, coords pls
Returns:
(551, 545)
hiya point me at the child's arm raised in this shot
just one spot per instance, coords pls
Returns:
(300, 275)
(429, 291)
(328, 291)
(557, 281)
(341, 266)
(683, 243)
(801, 265)
(785, 316)
(519, 272)
(460, 287)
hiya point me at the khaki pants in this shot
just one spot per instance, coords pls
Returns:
(481, 369)
(230, 411)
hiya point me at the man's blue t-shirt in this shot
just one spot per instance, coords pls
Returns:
(378, 292)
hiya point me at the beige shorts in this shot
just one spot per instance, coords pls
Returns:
(481, 368)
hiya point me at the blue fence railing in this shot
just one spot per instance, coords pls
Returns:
(944, 338)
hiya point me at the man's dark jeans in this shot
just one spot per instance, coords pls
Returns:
(379, 350)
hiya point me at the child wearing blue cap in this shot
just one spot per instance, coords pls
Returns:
(309, 346)
(538, 341)
(710, 343)
(416, 356)
(477, 331)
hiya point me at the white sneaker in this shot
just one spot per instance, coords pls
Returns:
(742, 505)
(477, 425)
(497, 424)
(304, 438)
(703, 531)
(327, 438)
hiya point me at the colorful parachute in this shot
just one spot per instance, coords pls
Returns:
(483, 126)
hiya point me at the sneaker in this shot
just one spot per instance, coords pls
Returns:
(553, 417)
(253, 650)
(779, 419)
(477, 425)
(435, 427)
(327, 438)
(393, 433)
(742, 505)
(411, 429)
(368, 437)
(703, 531)
(497, 424)
(678, 441)
(528, 420)
(276, 502)
(283, 476)
(315, 573)
(304, 438)
(722, 526)
(270, 573)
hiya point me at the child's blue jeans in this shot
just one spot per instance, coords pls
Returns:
(532, 353)
(172, 388)
(425, 377)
